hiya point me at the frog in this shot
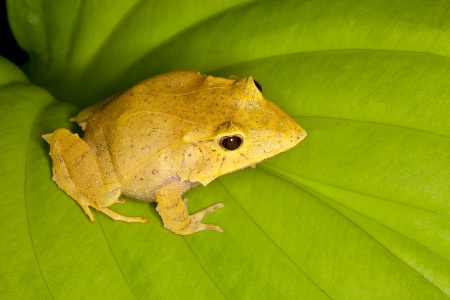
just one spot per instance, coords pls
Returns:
(164, 136)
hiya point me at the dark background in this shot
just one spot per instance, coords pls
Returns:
(8, 45)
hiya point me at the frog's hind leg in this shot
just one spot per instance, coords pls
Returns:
(76, 171)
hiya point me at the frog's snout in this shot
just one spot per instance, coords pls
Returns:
(296, 132)
(301, 133)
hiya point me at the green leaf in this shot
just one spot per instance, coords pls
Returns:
(359, 209)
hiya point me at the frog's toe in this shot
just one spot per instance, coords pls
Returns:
(88, 212)
(198, 226)
(84, 203)
(194, 222)
(201, 214)
(118, 217)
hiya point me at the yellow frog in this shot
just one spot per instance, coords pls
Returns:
(164, 136)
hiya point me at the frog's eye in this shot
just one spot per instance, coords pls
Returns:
(231, 142)
(258, 86)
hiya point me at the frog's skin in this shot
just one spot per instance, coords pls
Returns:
(164, 136)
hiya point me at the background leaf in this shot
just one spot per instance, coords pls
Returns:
(360, 209)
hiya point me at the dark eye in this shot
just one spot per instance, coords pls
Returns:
(230, 142)
(258, 86)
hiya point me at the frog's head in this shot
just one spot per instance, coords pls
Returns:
(249, 130)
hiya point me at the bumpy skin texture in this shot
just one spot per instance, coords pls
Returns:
(162, 137)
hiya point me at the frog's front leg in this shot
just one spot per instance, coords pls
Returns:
(76, 171)
(174, 213)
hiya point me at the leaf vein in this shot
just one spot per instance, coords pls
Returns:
(373, 122)
(203, 268)
(314, 194)
(27, 166)
(115, 259)
(271, 240)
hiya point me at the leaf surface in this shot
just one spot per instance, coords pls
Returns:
(359, 209)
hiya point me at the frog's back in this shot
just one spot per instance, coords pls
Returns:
(150, 119)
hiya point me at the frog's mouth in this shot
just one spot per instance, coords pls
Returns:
(208, 180)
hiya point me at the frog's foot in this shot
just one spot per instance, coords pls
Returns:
(194, 222)
(112, 214)
(118, 217)
(175, 216)
(86, 210)
(184, 224)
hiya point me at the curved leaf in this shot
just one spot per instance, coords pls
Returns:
(360, 209)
